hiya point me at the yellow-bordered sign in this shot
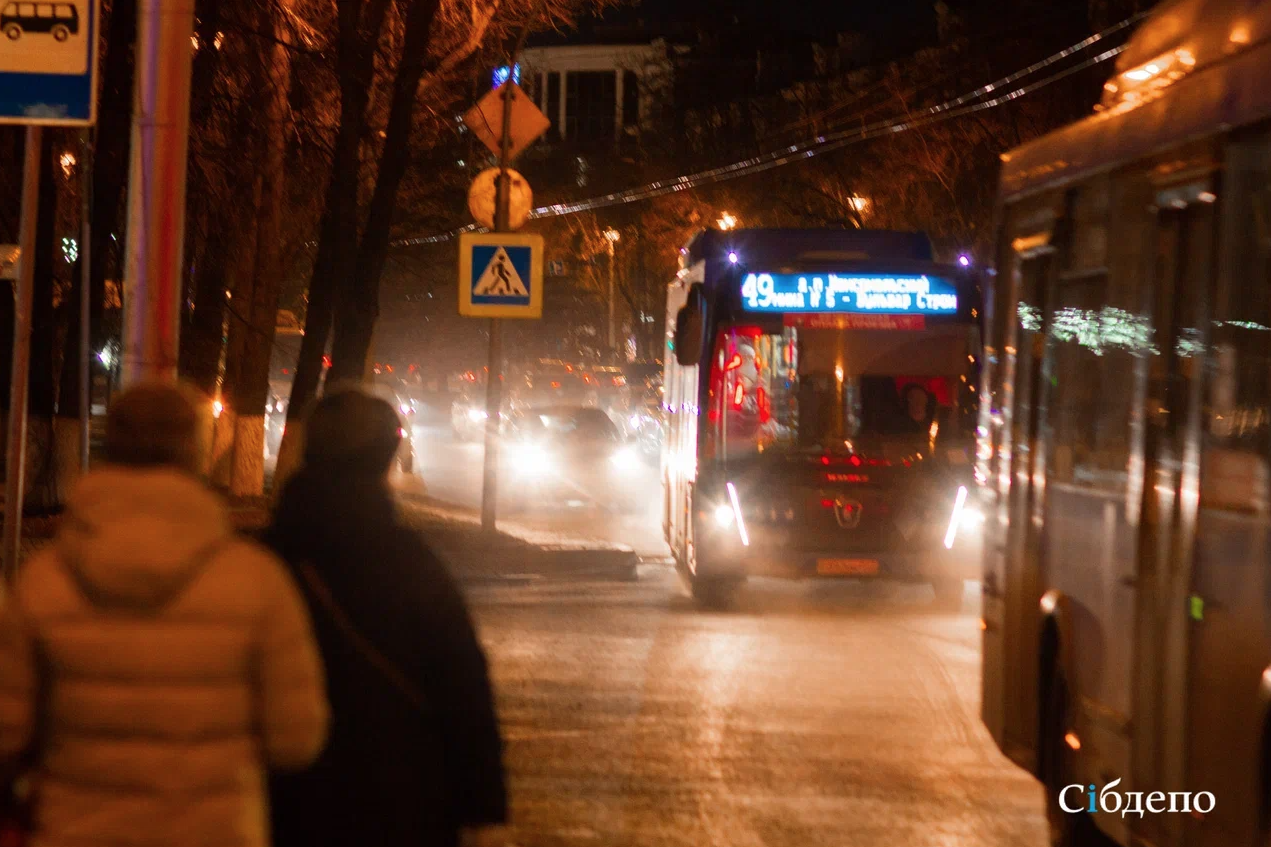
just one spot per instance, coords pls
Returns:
(500, 275)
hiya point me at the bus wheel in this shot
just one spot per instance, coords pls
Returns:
(717, 593)
(61, 33)
(13, 31)
(1067, 829)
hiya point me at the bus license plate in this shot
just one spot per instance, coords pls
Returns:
(847, 567)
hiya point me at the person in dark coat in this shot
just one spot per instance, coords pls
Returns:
(395, 771)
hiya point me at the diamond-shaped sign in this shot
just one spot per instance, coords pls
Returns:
(485, 120)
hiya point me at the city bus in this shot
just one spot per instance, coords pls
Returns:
(819, 392)
(1125, 439)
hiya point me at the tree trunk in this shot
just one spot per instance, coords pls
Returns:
(110, 162)
(241, 261)
(252, 388)
(337, 237)
(202, 335)
(359, 292)
(66, 424)
(42, 494)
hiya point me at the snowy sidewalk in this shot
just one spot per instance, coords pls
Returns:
(514, 552)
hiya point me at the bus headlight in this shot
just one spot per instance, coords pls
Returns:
(972, 519)
(625, 460)
(955, 519)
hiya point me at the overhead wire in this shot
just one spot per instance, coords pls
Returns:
(856, 97)
(826, 142)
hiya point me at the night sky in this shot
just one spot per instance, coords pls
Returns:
(802, 19)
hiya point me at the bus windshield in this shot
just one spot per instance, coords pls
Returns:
(819, 389)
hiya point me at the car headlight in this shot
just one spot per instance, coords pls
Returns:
(476, 415)
(625, 459)
(533, 460)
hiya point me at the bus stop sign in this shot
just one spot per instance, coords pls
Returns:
(48, 62)
(500, 275)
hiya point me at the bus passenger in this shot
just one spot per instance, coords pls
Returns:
(919, 406)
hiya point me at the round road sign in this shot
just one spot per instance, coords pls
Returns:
(484, 190)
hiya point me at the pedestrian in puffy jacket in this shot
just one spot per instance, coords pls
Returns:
(396, 771)
(156, 663)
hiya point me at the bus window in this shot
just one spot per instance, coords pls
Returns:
(1096, 333)
(1236, 417)
(815, 389)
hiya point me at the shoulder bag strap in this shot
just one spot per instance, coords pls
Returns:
(322, 594)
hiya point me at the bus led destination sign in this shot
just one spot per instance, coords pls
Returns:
(849, 293)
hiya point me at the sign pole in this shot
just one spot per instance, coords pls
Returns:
(493, 385)
(85, 302)
(15, 454)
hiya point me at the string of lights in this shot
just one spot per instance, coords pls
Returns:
(827, 142)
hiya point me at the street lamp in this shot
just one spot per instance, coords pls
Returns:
(613, 237)
(726, 222)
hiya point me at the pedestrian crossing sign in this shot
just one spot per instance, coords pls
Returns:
(500, 275)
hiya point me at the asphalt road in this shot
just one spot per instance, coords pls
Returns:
(815, 714)
(452, 469)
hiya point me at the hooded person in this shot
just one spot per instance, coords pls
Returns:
(154, 665)
(415, 755)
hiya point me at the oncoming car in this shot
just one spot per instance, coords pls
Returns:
(406, 413)
(570, 453)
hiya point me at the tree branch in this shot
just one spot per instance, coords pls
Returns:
(480, 23)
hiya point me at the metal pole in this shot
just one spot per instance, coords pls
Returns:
(156, 190)
(85, 300)
(613, 340)
(493, 387)
(15, 454)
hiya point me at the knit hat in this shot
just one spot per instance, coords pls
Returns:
(156, 424)
(352, 429)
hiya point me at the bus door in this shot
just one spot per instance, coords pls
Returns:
(1229, 604)
(1026, 466)
(1087, 520)
(1011, 584)
(1183, 265)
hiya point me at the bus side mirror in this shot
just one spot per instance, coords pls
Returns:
(688, 336)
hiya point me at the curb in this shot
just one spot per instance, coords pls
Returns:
(542, 564)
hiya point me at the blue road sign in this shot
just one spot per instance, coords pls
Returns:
(501, 275)
(48, 62)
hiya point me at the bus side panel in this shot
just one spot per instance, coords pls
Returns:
(995, 643)
(1230, 603)
(679, 450)
(1010, 610)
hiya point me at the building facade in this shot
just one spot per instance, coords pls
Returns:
(597, 94)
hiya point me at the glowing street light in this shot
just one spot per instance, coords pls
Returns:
(726, 222)
(68, 163)
(612, 235)
(964, 260)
